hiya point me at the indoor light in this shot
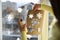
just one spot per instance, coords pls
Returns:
(10, 17)
(19, 9)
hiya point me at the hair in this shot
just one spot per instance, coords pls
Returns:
(56, 8)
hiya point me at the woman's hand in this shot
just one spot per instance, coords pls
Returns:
(22, 27)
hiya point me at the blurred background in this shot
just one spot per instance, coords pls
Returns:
(10, 29)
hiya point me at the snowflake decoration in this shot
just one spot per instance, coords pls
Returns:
(39, 15)
(31, 16)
